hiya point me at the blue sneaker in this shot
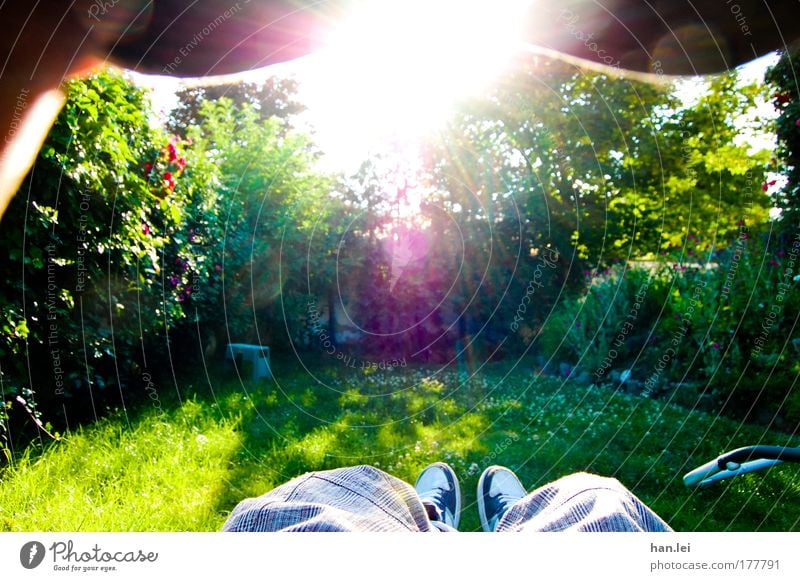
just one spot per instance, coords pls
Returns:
(437, 487)
(498, 490)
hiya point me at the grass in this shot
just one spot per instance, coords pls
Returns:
(185, 469)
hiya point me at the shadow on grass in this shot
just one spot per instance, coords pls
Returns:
(402, 420)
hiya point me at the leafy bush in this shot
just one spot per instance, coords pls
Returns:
(99, 256)
(723, 322)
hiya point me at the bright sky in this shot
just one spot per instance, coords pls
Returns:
(392, 71)
(389, 77)
(395, 69)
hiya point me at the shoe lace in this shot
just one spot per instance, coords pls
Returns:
(435, 498)
(504, 500)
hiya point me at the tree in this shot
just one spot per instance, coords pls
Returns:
(274, 97)
(270, 199)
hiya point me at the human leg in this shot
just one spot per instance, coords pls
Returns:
(578, 502)
(358, 498)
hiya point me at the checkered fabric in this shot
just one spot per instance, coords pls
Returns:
(582, 502)
(359, 498)
(365, 499)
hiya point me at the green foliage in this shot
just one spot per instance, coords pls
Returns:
(275, 97)
(607, 169)
(782, 78)
(99, 252)
(269, 200)
(723, 324)
(124, 241)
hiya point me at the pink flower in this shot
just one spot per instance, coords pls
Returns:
(797, 122)
(145, 229)
(715, 346)
(218, 267)
(173, 152)
(764, 187)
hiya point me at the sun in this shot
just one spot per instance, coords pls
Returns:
(393, 70)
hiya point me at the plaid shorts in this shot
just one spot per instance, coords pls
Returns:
(366, 499)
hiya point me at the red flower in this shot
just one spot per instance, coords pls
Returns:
(169, 181)
(715, 345)
(764, 187)
(148, 167)
(181, 162)
(145, 229)
(797, 122)
(173, 152)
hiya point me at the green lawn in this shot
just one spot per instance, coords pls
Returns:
(186, 469)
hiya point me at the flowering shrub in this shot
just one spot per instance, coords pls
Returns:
(99, 258)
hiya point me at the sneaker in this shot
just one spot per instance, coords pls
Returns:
(437, 487)
(498, 490)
